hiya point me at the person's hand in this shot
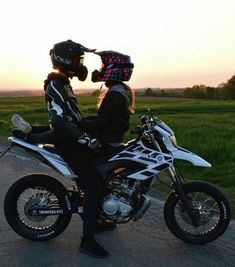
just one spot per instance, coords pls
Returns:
(90, 142)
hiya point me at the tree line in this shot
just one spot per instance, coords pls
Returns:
(222, 91)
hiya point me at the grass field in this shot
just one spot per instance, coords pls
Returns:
(205, 127)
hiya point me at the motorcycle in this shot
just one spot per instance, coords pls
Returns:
(40, 207)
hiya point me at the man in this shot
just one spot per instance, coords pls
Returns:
(73, 143)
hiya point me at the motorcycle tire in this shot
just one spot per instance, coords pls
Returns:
(35, 189)
(212, 205)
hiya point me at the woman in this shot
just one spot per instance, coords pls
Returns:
(115, 105)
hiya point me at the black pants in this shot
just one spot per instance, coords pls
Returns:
(43, 135)
(81, 162)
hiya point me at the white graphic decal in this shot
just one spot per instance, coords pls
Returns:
(66, 61)
(56, 108)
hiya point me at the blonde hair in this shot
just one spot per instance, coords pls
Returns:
(131, 95)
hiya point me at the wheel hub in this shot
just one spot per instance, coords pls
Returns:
(203, 216)
(30, 209)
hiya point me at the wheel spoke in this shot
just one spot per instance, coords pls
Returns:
(38, 197)
(208, 210)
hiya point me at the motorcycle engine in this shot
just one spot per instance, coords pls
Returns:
(118, 205)
(116, 208)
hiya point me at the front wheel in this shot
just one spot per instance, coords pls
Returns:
(211, 206)
(41, 191)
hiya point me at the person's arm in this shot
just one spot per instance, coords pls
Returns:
(56, 104)
(111, 106)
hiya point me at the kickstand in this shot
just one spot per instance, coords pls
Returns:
(6, 150)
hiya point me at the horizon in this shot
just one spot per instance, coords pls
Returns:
(34, 90)
(173, 44)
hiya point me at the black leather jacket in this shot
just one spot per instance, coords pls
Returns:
(64, 114)
(113, 116)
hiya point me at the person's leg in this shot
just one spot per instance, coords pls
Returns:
(47, 137)
(82, 165)
(40, 129)
(92, 183)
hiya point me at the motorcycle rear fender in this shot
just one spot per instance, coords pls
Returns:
(183, 154)
(53, 160)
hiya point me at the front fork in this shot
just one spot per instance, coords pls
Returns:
(177, 182)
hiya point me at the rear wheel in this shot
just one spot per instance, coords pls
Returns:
(41, 191)
(211, 206)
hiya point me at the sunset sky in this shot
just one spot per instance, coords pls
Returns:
(173, 43)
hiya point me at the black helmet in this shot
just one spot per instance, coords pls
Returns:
(116, 67)
(67, 56)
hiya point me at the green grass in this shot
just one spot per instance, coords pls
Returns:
(204, 127)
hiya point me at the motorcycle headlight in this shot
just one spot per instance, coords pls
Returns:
(173, 140)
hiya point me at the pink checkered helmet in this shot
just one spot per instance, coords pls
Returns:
(115, 67)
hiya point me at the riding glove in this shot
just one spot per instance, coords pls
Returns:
(90, 142)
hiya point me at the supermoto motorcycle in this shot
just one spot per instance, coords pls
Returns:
(40, 207)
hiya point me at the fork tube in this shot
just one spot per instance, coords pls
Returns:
(155, 143)
(177, 185)
(172, 174)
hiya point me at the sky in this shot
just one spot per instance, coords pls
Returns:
(172, 43)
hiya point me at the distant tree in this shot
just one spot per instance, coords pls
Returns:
(197, 91)
(162, 93)
(221, 85)
(149, 92)
(229, 89)
(210, 92)
(218, 93)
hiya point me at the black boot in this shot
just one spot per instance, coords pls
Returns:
(105, 226)
(90, 247)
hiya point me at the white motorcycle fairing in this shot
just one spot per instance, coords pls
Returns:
(183, 154)
(54, 159)
(154, 161)
(179, 152)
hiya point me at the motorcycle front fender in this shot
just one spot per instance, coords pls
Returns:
(183, 154)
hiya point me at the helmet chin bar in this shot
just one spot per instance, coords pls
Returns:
(82, 73)
(95, 76)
